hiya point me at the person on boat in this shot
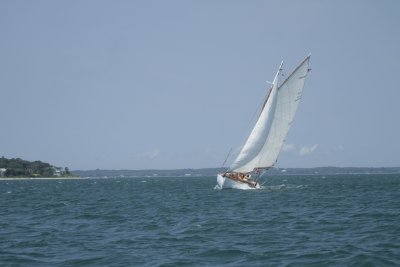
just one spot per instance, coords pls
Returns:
(231, 175)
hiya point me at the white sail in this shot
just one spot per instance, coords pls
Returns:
(268, 135)
(256, 140)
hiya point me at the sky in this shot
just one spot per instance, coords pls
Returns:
(176, 84)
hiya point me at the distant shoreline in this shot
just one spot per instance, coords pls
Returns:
(41, 178)
(204, 172)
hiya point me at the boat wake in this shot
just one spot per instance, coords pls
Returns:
(262, 187)
(277, 187)
(217, 187)
(285, 187)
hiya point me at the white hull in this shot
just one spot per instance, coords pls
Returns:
(225, 182)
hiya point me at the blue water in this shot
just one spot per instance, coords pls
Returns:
(351, 220)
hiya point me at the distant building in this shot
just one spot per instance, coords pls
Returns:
(2, 171)
(58, 171)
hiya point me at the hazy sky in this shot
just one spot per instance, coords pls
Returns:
(176, 84)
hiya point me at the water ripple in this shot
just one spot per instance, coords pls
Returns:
(294, 220)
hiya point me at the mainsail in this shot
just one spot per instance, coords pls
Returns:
(262, 147)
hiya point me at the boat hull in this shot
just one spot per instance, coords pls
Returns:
(225, 182)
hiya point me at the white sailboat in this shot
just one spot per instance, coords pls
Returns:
(261, 150)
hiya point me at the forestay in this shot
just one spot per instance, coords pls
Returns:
(262, 147)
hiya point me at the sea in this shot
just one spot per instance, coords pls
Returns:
(314, 220)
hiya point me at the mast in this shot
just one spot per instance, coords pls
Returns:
(275, 80)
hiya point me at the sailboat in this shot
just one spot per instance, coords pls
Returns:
(261, 150)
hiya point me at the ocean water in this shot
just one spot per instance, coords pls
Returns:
(337, 220)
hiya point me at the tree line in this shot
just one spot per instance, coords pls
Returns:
(17, 167)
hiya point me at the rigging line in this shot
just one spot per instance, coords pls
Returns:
(259, 109)
(253, 119)
(229, 153)
(244, 134)
(263, 171)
